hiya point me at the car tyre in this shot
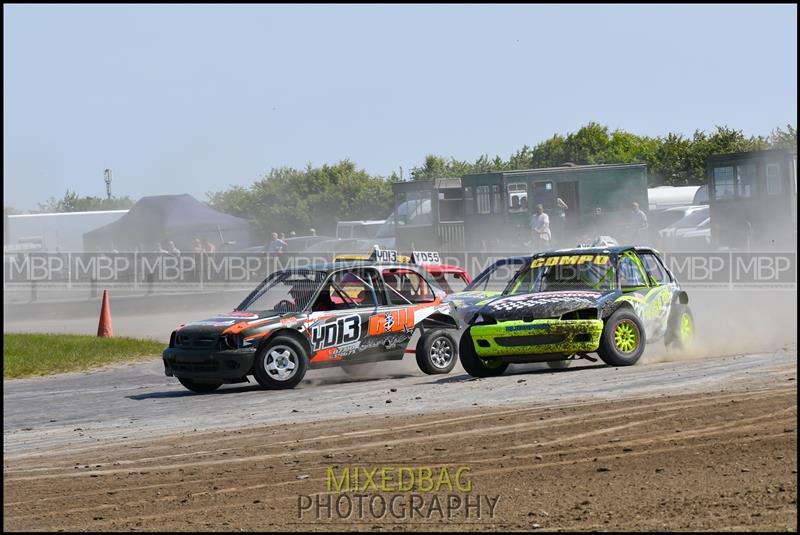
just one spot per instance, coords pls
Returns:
(623, 340)
(680, 329)
(437, 352)
(474, 365)
(281, 364)
(199, 388)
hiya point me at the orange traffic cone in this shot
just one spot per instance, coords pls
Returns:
(104, 327)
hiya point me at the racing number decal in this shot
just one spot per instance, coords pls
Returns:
(342, 331)
(392, 321)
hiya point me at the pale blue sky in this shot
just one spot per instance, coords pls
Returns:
(187, 99)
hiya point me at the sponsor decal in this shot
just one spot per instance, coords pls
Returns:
(391, 321)
(336, 333)
(512, 328)
(388, 342)
(346, 350)
(569, 260)
(240, 314)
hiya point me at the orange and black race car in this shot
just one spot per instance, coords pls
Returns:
(334, 314)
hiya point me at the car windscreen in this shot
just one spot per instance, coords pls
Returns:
(497, 276)
(284, 291)
(564, 273)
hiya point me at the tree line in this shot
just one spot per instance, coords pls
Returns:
(289, 199)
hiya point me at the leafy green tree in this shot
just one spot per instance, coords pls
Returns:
(780, 139)
(290, 199)
(71, 202)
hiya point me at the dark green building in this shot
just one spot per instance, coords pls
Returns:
(492, 211)
(753, 200)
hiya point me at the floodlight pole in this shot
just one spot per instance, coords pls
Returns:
(107, 179)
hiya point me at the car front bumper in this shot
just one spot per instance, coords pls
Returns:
(537, 337)
(230, 364)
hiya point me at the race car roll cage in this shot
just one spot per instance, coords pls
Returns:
(328, 280)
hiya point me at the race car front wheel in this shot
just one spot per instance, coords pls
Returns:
(282, 363)
(436, 352)
(473, 364)
(199, 388)
(680, 331)
(623, 339)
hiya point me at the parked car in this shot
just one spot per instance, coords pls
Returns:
(693, 231)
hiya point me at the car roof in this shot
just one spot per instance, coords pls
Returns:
(442, 268)
(616, 249)
(327, 267)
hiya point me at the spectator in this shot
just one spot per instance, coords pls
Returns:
(312, 231)
(638, 220)
(198, 247)
(276, 245)
(283, 237)
(292, 234)
(210, 247)
(173, 249)
(160, 249)
(540, 225)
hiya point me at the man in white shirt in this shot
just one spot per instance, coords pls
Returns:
(540, 225)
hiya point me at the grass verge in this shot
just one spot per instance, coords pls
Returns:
(26, 355)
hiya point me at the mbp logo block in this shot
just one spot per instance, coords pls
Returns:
(699, 269)
(764, 268)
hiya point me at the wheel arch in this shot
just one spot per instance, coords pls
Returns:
(437, 320)
(681, 297)
(291, 333)
(617, 305)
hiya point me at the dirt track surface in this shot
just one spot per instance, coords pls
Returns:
(724, 459)
(708, 461)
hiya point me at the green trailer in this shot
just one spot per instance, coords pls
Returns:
(498, 206)
(753, 200)
(492, 211)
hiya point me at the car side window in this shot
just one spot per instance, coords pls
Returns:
(629, 272)
(405, 287)
(451, 282)
(654, 269)
(348, 289)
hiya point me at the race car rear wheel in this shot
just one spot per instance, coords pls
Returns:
(623, 340)
(199, 388)
(436, 352)
(282, 363)
(680, 331)
(473, 364)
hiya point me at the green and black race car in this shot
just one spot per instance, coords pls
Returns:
(568, 303)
